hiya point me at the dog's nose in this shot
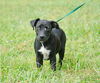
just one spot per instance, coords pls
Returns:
(42, 37)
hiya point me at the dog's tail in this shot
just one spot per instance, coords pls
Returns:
(55, 25)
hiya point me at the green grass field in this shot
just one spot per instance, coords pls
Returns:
(17, 58)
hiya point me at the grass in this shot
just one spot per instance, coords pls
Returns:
(17, 58)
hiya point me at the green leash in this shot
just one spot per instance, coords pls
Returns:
(70, 12)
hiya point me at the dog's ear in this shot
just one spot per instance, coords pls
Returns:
(34, 22)
(54, 24)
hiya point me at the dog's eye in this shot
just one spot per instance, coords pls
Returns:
(46, 28)
(39, 28)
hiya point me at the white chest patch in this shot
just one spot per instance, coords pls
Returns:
(45, 52)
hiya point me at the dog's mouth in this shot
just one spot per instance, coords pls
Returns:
(43, 40)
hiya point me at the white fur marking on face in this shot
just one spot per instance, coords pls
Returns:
(44, 51)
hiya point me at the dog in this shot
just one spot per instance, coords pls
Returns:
(50, 40)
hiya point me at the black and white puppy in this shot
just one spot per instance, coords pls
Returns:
(50, 40)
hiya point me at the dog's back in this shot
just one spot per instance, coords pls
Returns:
(59, 33)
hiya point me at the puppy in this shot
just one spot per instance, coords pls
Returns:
(50, 40)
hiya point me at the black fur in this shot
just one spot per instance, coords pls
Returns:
(52, 37)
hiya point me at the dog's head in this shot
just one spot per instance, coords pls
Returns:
(43, 28)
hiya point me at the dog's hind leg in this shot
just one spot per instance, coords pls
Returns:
(62, 50)
(61, 56)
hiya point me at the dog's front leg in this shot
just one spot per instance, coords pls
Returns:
(53, 62)
(39, 60)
